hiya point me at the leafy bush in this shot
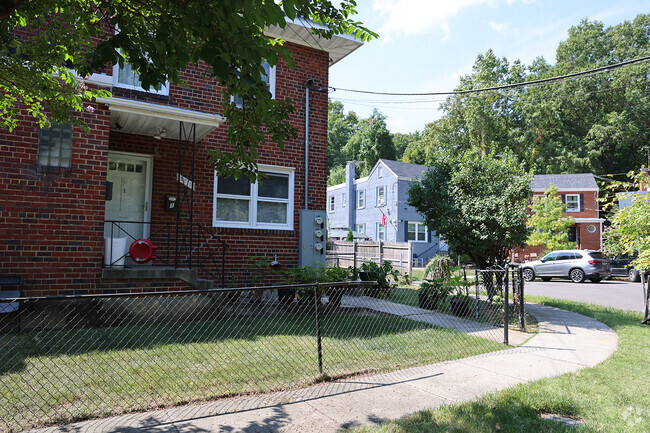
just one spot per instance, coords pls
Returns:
(382, 274)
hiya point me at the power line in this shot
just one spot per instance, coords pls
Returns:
(542, 81)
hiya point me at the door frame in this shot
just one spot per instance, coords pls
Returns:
(148, 189)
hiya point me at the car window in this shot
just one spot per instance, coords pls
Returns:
(566, 256)
(550, 257)
(577, 255)
(597, 256)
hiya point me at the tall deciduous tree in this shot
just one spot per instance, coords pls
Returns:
(46, 43)
(595, 124)
(371, 141)
(476, 202)
(549, 226)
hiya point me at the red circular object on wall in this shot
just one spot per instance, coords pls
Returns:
(142, 251)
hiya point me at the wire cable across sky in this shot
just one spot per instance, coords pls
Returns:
(543, 81)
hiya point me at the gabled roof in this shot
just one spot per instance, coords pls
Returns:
(564, 182)
(405, 170)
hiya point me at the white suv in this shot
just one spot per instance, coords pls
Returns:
(573, 264)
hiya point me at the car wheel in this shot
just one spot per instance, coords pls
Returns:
(529, 274)
(595, 280)
(633, 275)
(546, 278)
(577, 275)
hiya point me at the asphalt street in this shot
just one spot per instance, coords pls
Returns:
(612, 293)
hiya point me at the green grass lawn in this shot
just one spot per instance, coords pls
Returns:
(60, 376)
(611, 397)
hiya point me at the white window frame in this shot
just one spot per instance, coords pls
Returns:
(271, 86)
(164, 89)
(361, 228)
(575, 198)
(381, 202)
(361, 199)
(344, 200)
(417, 226)
(332, 204)
(380, 171)
(381, 232)
(253, 200)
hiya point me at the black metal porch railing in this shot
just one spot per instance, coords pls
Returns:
(193, 248)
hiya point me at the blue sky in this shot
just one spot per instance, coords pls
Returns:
(426, 45)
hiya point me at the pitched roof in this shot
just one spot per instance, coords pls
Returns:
(576, 182)
(405, 169)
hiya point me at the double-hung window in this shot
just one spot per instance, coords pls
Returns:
(265, 204)
(268, 77)
(344, 200)
(127, 78)
(417, 232)
(332, 201)
(572, 202)
(381, 196)
(361, 199)
(381, 232)
(361, 228)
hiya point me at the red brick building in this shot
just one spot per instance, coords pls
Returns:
(143, 164)
(579, 193)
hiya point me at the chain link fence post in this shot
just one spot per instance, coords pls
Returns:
(319, 346)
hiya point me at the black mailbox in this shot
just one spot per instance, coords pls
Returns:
(171, 203)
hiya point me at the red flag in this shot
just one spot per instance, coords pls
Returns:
(383, 219)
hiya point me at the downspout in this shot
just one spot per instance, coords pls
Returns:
(307, 86)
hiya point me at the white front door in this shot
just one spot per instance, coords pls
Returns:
(130, 202)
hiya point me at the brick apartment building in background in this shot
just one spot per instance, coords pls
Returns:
(579, 193)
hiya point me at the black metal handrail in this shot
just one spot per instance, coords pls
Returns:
(193, 251)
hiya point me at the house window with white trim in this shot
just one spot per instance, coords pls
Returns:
(268, 77)
(265, 204)
(381, 232)
(361, 228)
(332, 201)
(126, 77)
(344, 200)
(380, 171)
(361, 199)
(55, 145)
(572, 202)
(417, 232)
(381, 196)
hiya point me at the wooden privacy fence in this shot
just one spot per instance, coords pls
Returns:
(344, 254)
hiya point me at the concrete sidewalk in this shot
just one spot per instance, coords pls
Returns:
(567, 342)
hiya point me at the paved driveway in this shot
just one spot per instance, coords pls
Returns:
(612, 293)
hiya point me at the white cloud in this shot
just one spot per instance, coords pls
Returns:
(403, 18)
(416, 17)
(501, 28)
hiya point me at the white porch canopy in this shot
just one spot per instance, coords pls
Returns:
(144, 118)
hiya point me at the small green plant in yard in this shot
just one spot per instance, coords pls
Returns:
(385, 275)
(611, 397)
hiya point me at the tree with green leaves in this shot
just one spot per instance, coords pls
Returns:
(549, 226)
(629, 232)
(596, 123)
(371, 141)
(476, 202)
(48, 44)
(340, 127)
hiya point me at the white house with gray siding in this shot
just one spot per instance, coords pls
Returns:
(360, 204)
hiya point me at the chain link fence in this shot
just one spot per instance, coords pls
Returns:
(69, 358)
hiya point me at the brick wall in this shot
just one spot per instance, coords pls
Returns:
(52, 223)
